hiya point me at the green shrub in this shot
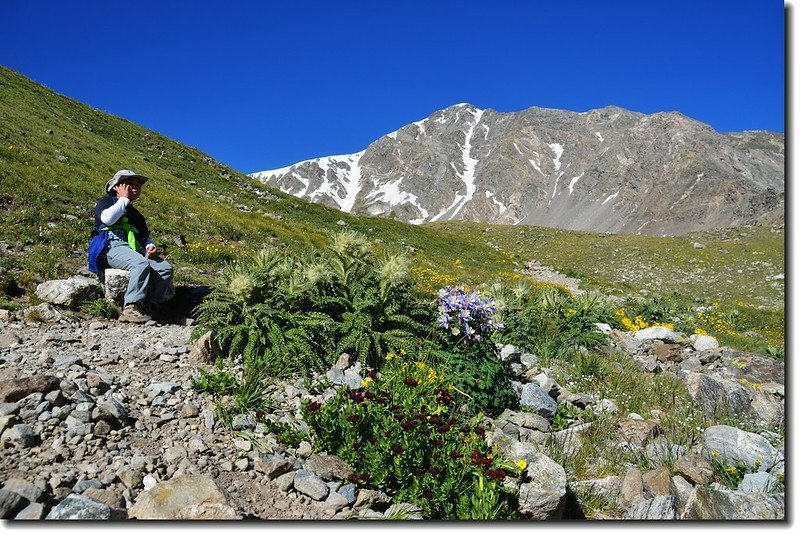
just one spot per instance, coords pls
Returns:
(478, 374)
(402, 434)
(553, 323)
(291, 314)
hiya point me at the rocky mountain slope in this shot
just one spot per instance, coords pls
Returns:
(608, 170)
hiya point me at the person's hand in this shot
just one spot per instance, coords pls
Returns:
(124, 190)
(150, 250)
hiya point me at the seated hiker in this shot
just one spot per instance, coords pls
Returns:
(130, 247)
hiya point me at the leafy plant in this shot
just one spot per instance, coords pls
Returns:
(566, 414)
(481, 380)
(553, 323)
(402, 433)
(219, 382)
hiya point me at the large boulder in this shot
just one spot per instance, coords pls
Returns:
(733, 445)
(69, 292)
(179, 497)
(723, 504)
(543, 495)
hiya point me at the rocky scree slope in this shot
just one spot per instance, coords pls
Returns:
(98, 420)
(605, 170)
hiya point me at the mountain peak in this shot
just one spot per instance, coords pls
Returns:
(608, 169)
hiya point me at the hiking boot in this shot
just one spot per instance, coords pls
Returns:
(155, 311)
(133, 313)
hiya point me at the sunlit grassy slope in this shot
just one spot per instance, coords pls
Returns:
(56, 154)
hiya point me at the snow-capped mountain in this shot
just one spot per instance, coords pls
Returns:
(604, 170)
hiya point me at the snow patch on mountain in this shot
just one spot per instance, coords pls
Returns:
(573, 182)
(468, 174)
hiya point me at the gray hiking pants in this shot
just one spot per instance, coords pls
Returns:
(151, 278)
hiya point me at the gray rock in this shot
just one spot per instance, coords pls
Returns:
(29, 491)
(657, 333)
(85, 484)
(703, 342)
(734, 445)
(328, 467)
(759, 482)
(43, 312)
(724, 504)
(349, 492)
(77, 507)
(77, 427)
(544, 495)
(285, 482)
(352, 378)
(167, 387)
(33, 511)
(9, 339)
(21, 435)
(10, 503)
(69, 293)
(683, 492)
(529, 360)
(115, 284)
(658, 508)
(569, 440)
(243, 422)
(174, 454)
(335, 501)
(508, 352)
(311, 485)
(8, 408)
(536, 400)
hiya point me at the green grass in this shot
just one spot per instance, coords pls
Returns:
(56, 154)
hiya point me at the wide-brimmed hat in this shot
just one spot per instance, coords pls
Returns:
(121, 175)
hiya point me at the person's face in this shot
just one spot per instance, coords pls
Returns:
(134, 187)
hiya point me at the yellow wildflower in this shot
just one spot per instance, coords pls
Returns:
(522, 464)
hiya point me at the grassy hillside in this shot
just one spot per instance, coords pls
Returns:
(56, 154)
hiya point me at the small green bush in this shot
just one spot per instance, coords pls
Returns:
(553, 323)
(402, 434)
(480, 378)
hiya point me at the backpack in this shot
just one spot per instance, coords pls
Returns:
(98, 247)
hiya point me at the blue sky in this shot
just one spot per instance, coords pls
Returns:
(263, 84)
